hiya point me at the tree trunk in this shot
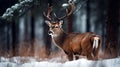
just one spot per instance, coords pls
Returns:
(69, 24)
(100, 22)
(112, 28)
(47, 38)
(88, 16)
(32, 32)
(8, 39)
(5, 37)
(26, 32)
(14, 39)
(4, 4)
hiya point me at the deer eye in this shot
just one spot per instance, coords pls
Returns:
(56, 27)
(53, 27)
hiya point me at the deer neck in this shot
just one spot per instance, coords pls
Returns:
(59, 39)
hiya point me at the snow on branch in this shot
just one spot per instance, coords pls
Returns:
(65, 5)
(16, 9)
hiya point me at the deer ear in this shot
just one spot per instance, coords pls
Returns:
(48, 23)
(61, 22)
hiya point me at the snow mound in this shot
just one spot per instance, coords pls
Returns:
(76, 63)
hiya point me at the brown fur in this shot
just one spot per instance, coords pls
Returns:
(75, 43)
(72, 43)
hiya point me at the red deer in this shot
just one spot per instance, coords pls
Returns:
(85, 44)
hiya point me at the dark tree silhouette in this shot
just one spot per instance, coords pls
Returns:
(32, 32)
(10, 31)
(8, 38)
(26, 25)
(47, 38)
(69, 23)
(88, 16)
(112, 27)
(100, 21)
(15, 34)
(5, 36)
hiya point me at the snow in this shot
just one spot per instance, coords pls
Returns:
(10, 11)
(32, 62)
(65, 5)
(71, 1)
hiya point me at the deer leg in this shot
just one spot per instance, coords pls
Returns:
(76, 57)
(90, 57)
(95, 53)
(70, 56)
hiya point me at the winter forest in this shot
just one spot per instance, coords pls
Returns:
(24, 38)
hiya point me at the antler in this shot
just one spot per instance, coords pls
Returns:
(67, 14)
(48, 16)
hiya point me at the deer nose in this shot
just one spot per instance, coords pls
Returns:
(49, 32)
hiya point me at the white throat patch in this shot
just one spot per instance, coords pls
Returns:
(53, 35)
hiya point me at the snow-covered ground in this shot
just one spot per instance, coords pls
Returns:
(32, 62)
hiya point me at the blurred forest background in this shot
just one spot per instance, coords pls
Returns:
(23, 31)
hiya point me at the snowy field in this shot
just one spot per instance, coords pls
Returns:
(31, 62)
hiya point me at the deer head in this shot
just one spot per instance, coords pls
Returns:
(55, 27)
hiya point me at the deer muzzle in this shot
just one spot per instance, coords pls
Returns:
(50, 32)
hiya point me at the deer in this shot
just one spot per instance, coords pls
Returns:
(73, 44)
